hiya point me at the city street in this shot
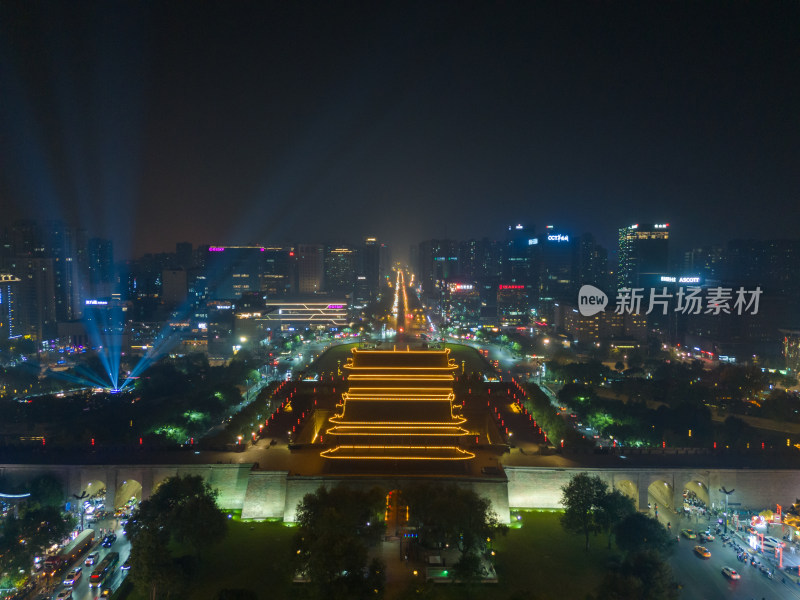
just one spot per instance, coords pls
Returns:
(703, 579)
(82, 591)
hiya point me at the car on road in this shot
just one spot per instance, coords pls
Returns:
(730, 573)
(73, 576)
(92, 558)
(64, 595)
(689, 534)
(109, 540)
(707, 536)
(772, 543)
(702, 552)
(126, 565)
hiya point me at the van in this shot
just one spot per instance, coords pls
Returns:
(772, 543)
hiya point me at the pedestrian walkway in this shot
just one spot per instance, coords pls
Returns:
(399, 572)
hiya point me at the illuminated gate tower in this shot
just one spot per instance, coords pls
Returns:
(399, 407)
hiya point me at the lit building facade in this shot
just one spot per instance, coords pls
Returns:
(643, 254)
(340, 269)
(8, 309)
(513, 304)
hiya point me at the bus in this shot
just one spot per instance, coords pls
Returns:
(70, 552)
(104, 569)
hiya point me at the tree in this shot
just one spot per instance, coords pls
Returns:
(638, 532)
(237, 595)
(46, 490)
(614, 508)
(39, 527)
(642, 576)
(336, 527)
(582, 499)
(183, 512)
(450, 514)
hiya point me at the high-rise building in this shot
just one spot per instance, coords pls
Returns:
(309, 264)
(369, 265)
(556, 262)
(519, 264)
(184, 255)
(438, 263)
(340, 269)
(174, 287)
(35, 295)
(61, 244)
(8, 309)
(100, 254)
(234, 270)
(592, 262)
(643, 254)
(707, 262)
(277, 278)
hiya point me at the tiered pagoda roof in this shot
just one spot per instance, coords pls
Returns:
(399, 406)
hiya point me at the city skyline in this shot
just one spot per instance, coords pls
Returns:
(321, 120)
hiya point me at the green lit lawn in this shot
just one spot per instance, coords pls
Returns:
(538, 561)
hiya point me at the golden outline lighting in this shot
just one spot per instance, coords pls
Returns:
(399, 406)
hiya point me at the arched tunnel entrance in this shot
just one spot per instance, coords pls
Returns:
(630, 489)
(660, 496)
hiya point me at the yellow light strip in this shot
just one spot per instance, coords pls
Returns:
(401, 423)
(397, 434)
(464, 454)
(400, 390)
(447, 368)
(420, 377)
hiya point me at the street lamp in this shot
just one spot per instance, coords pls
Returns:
(727, 493)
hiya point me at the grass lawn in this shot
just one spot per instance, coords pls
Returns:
(327, 362)
(473, 360)
(252, 556)
(538, 561)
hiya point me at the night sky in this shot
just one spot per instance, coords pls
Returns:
(232, 122)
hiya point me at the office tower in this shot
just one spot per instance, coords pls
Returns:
(519, 266)
(592, 262)
(438, 262)
(277, 278)
(643, 254)
(370, 265)
(708, 262)
(309, 266)
(340, 269)
(557, 265)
